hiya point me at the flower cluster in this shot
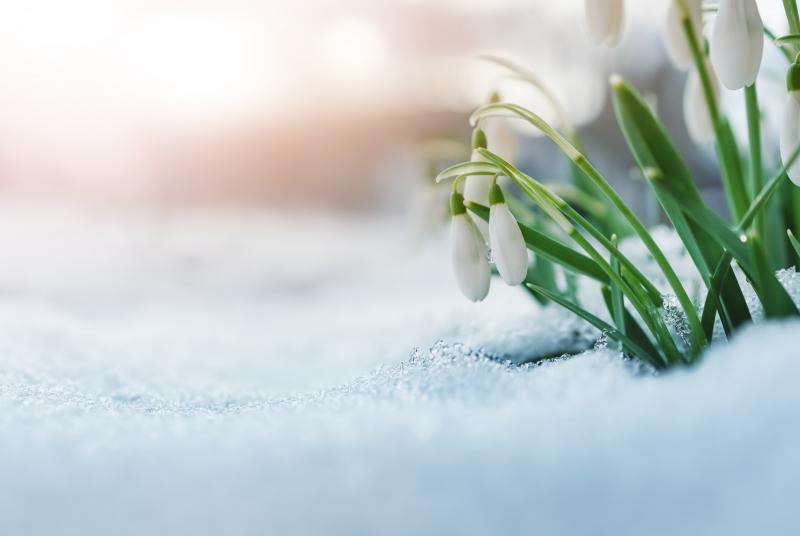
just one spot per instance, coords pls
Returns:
(591, 214)
(469, 235)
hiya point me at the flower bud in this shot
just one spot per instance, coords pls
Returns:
(790, 129)
(737, 43)
(469, 255)
(605, 19)
(695, 108)
(476, 187)
(508, 245)
(675, 39)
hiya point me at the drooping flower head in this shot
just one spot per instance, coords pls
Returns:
(469, 254)
(506, 241)
(790, 129)
(695, 108)
(500, 136)
(737, 43)
(605, 20)
(476, 187)
(676, 40)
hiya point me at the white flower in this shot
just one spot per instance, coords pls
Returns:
(476, 187)
(508, 246)
(469, 253)
(675, 38)
(695, 108)
(605, 19)
(737, 43)
(501, 138)
(790, 134)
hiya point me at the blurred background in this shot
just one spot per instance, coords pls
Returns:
(164, 102)
(155, 152)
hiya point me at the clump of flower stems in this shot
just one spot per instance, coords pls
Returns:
(576, 229)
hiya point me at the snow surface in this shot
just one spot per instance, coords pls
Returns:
(246, 373)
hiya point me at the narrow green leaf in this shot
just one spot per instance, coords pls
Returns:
(793, 241)
(788, 39)
(632, 329)
(559, 210)
(628, 344)
(551, 249)
(774, 298)
(617, 297)
(465, 169)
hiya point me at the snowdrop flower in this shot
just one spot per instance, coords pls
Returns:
(476, 187)
(737, 43)
(605, 19)
(508, 246)
(675, 39)
(695, 108)
(790, 130)
(500, 135)
(469, 253)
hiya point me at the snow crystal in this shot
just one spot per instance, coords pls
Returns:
(171, 377)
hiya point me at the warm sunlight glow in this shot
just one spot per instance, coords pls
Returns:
(354, 50)
(201, 65)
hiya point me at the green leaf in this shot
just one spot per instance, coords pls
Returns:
(793, 241)
(700, 228)
(617, 308)
(561, 212)
(631, 328)
(628, 344)
(774, 298)
(788, 39)
(734, 311)
(551, 249)
(465, 169)
(542, 272)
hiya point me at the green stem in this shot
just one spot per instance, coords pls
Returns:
(698, 339)
(557, 209)
(781, 46)
(617, 297)
(554, 206)
(756, 166)
(790, 7)
(763, 197)
(728, 152)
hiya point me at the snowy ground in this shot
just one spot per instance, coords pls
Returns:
(243, 373)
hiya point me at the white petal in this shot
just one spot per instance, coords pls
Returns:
(469, 256)
(508, 246)
(675, 40)
(476, 189)
(737, 43)
(501, 138)
(790, 135)
(695, 110)
(605, 19)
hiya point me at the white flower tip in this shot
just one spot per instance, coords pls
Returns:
(695, 110)
(676, 41)
(469, 255)
(605, 20)
(616, 80)
(508, 245)
(737, 43)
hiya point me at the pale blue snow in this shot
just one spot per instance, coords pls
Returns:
(213, 373)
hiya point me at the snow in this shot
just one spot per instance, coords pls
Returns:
(232, 372)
